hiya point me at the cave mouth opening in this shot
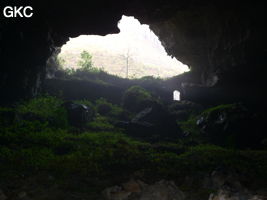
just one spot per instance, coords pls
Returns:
(135, 52)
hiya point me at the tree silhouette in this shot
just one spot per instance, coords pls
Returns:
(86, 61)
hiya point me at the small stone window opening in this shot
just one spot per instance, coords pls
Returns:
(176, 95)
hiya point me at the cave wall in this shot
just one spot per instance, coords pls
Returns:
(24, 51)
(224, 42)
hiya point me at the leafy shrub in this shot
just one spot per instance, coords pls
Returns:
(46, 108)
(137, 98)
(100, 124)
(103, 106)
(69, 71)
(150, 81)
(86, 62)
(108, 109)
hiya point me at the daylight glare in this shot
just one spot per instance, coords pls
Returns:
(136, 49)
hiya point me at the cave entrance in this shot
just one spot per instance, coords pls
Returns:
(133, 53)
(176, 95)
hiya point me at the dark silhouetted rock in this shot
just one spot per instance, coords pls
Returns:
(136, 99)
(78, 114)
(182, 110)
(60, 74)
(153, 123)
(232, 125)
(83, 89)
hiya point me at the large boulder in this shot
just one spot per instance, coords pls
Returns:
(182, 110)
(136, 98)
(154, 123)
(138, 190)
(232, 125)
(78, 114)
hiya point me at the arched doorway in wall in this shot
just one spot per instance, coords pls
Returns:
(176, 95)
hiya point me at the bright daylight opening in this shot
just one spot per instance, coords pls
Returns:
(133, 53)
(176, 95)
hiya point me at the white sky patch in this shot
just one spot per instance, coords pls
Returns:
(135, 40)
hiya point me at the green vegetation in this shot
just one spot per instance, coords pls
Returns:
(150, 80)
(44, 108)
(115, 64)
(214, 110)
(108, 109)
(107, 115)
(225, 125)
(86, 61)
(30, 145)
(205, 158)
(137, 98)
(228, 125)
(101, 124)
(36, 138)
(192, 131)
(69, 71)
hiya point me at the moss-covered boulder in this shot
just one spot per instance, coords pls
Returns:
(154, 123)
(183, 109)
(232, 125)
(136, 98)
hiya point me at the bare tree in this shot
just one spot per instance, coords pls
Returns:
(127, 56)
(127, 62)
